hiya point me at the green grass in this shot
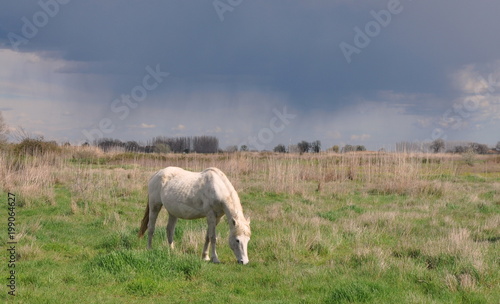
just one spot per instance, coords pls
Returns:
(346, 211)
(353, 241)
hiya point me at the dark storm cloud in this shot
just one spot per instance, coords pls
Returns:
(291, 47)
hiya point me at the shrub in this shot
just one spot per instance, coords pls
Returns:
(36, 146)
(280, 148)
(469, 157)
(335, 149)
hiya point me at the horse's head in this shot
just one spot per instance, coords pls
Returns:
(238, 240)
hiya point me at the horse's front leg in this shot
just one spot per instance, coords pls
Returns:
(211, 238)
(172, 220)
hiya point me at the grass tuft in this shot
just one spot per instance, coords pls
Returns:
(151, 263)
(355, 292)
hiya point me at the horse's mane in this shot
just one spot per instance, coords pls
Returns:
(235, 200)
(242, 227)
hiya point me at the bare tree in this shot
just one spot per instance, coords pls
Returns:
(232, 149)
(316, 146)
(304, 146)
(109, 144)
(437, 145)
(409, 146)
(293, 149)
(205, 144)
(132, 146)
(360, 148)
(348, 148)
(470, 148)
(479, 148)
(4, 130)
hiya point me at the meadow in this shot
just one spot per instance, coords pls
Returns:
(326, 228)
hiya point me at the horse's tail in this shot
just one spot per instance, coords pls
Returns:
(145, 221)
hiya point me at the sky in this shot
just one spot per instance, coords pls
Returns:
(260, 73)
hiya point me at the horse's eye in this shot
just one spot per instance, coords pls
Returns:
(237, 241)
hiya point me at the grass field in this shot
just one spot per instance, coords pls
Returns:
(326, 228)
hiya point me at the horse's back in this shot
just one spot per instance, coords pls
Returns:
(158, 181)
(194, 194)
(187, 194)
(182, 194)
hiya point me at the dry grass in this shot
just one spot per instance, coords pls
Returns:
(283, 173)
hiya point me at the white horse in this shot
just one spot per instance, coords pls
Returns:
(193, 195)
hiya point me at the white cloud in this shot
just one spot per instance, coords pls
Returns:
(146, 126)
(361, 137)
(179, 127)
(468, 81)
(218, 130)
(333, 134)
(424, 122)
(480, 100)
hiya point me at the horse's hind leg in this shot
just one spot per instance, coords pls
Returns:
(204, 255)
(172, 220)
(153, 215)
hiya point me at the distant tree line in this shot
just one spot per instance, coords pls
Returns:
(210, 144)
(351, 148)
(300, 147)
(439, 145)
(471, 147)
(205, 144)
(315, 147)
(172, 144)
(162, 144)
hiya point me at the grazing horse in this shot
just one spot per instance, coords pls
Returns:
(192, 195)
